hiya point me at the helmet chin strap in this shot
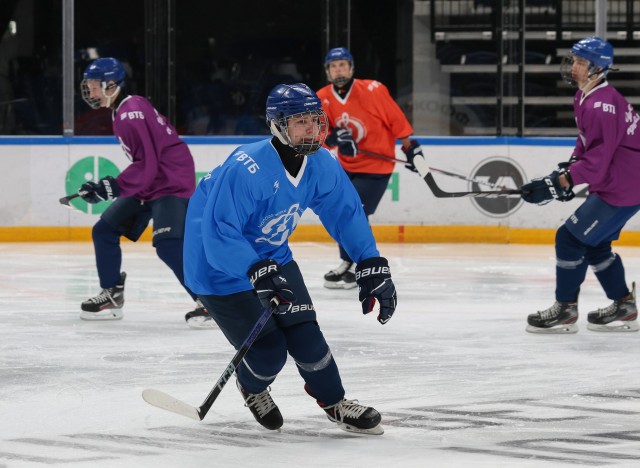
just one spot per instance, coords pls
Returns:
(275, 131)
(591, 80)
(113, 95)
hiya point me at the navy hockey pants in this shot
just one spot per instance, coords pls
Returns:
(295, 333)
(129, 217)
(585, 239)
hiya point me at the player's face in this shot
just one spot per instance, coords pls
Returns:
(580, 70)
(306, 128)
(339, 69)
(96, 92)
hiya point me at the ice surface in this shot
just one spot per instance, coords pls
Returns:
(458, 381)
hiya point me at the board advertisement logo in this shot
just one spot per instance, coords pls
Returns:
(492, 174)
(91, 168)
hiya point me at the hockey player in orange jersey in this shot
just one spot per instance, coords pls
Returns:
(363, 117)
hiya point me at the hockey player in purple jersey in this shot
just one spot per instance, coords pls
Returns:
(156, 185)
(238, 260)
(607, 157)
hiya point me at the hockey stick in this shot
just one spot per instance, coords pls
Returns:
(65, 200)
(382, 156)
(439, 171)
(439, 193)
(169, 403)
(423, 170)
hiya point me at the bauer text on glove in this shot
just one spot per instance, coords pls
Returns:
(105, 189)
(375, 284)
(271, 286)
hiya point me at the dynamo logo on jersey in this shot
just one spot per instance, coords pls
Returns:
(357, 127)
(631, 117)
(278, 229)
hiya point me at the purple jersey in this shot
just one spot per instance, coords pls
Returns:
(161, 163)
(608, 146)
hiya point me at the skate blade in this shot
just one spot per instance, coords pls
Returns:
(615, 327)
(201, 323)
(378, 430)
(557, 330)
(114, 314)
(339, 285)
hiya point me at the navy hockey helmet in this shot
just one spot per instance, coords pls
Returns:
(339, 53)
(285, 104)
(598, 52)
(111, 75)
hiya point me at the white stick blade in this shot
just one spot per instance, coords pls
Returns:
(167, 402)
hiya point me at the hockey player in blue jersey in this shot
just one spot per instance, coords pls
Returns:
(238, 261)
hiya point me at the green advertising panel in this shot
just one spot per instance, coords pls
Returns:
(91, 168)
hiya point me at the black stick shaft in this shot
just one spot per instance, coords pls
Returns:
(235, 362)
(423, 170)
(68, 198)
(435, 169)
(382, 156)
(439, 193)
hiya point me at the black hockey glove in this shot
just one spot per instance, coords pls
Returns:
(411, 152)
(374, 283)
(105, 189)
(272, 288)
(342, 138)
(566, 164)
(545, 189)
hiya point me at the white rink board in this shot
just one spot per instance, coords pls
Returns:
(33, 174)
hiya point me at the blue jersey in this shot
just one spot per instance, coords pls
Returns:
(246, 209)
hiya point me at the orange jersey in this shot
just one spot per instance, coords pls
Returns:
(375, 121)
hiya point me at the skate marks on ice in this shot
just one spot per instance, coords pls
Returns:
(567, 430)
(94, 447)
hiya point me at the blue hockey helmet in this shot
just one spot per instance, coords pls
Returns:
(339, 53)
(598, 52)
(287, 102)
(106, 69)
(111, 75)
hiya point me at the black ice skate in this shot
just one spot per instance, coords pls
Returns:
(620, 316)
(561, 317)
(352, 416)
(199, 318)
(107, 305)
(263, 408)
(343, 277)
